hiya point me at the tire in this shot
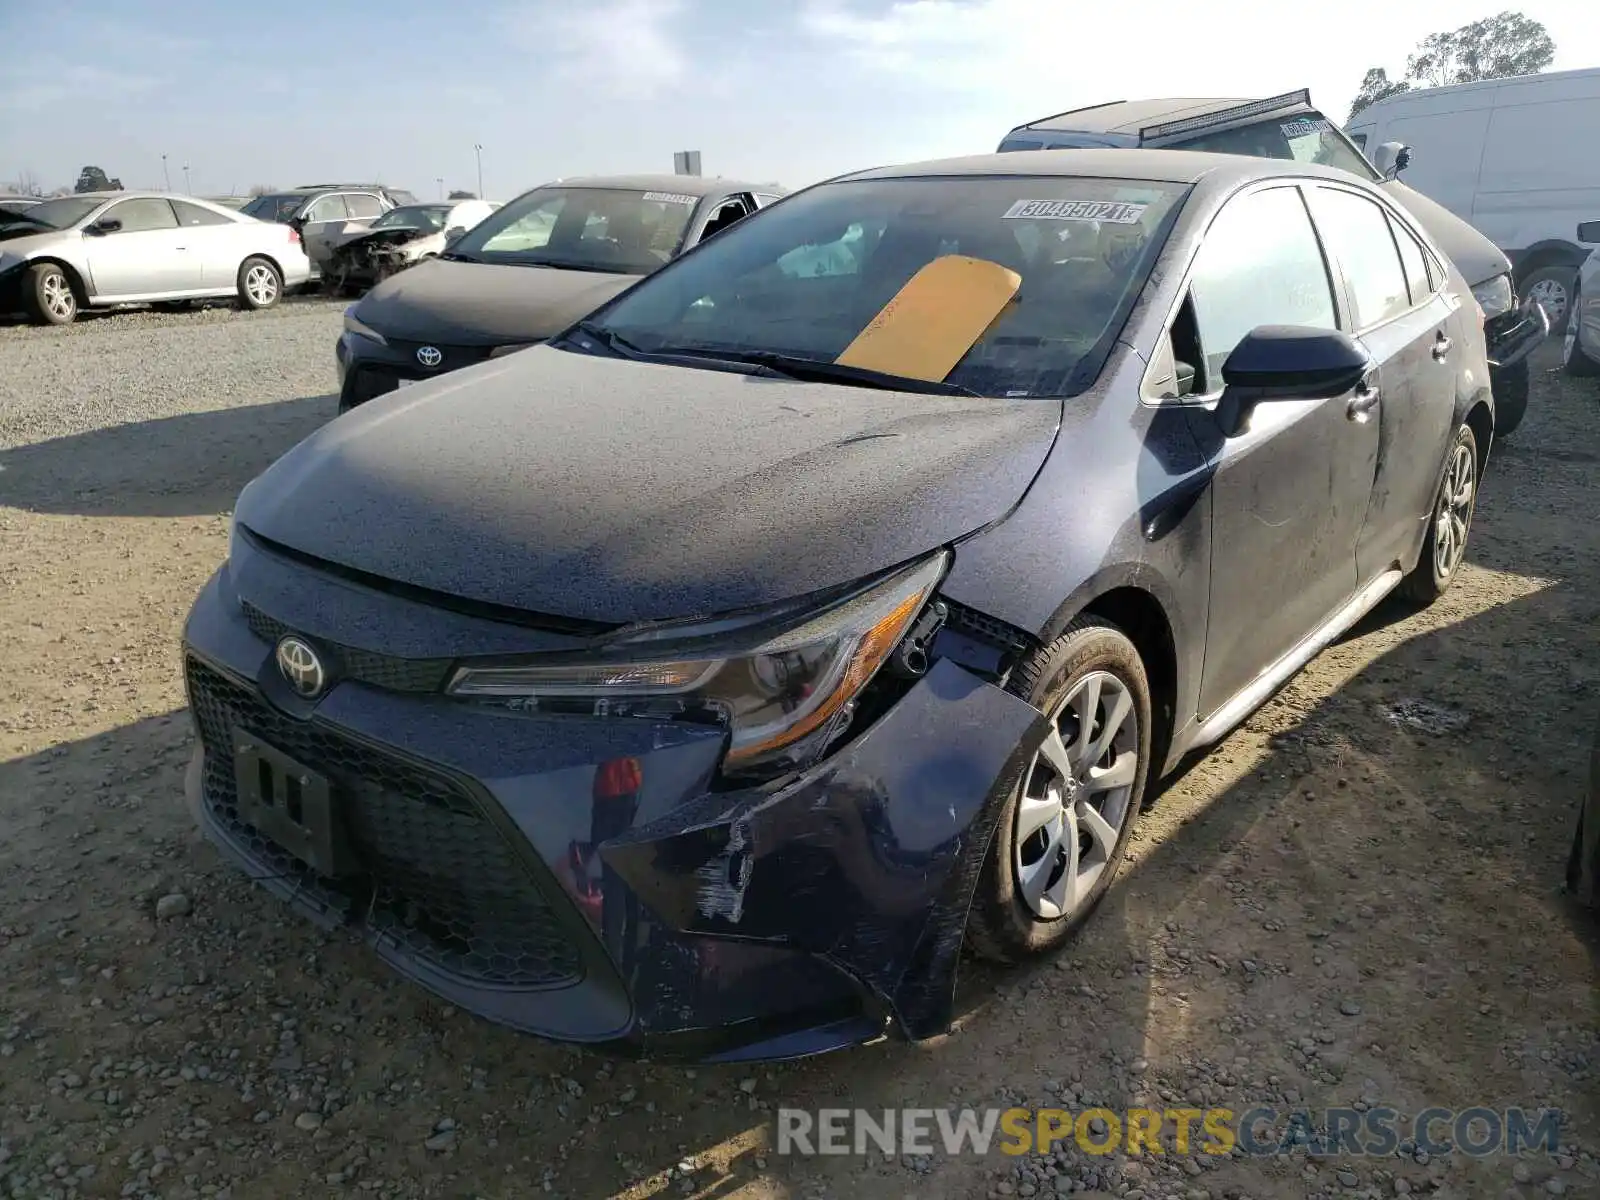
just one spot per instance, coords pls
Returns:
(49, 296)
(260, 284)
(1574, 359)
(1510, 386)
(1005, 925)
(1553, 287)
(1435, 572)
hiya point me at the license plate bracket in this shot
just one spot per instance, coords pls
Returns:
(291, 804)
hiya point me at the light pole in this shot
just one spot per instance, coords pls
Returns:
(164, 175)
(440, 182)
(187, 190)
(478, 146)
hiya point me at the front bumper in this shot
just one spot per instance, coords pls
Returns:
(497, 870)
(1513, 336)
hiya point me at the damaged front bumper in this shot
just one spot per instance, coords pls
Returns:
(579, 878)
(1513, 336)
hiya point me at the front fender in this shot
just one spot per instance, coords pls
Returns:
(869, 864)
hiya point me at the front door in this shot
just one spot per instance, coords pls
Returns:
(1290, 492)
(140, 258)
(1410, 325)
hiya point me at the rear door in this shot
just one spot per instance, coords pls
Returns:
(1289, 495)
(1409, 323)
(144, 257)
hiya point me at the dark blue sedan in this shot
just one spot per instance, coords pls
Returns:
(701, 681)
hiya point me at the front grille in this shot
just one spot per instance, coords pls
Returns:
(435, 876)
(362, 666)
(455, 357)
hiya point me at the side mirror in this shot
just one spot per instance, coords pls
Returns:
(1391, 158)
(1287, 362)
(1589, 232)
(100, 228)
(455, 233)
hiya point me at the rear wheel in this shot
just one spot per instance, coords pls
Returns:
(48, 295)
(260, 285)
(1445, 547)
(1574, 359)
(1062, 834)
(1552, 287)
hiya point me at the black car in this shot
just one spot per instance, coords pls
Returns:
(702, 679)
(1289, 127)
(528, 271)
(1583, 864)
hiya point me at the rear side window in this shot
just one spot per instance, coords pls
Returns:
(1358, 235)
(1414, 259)
(1259, 265)
(193, 214)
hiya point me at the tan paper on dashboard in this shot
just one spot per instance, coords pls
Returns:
(931, 322)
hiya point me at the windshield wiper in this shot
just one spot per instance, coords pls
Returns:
(457, 256)
(793, 366)
(611, 340)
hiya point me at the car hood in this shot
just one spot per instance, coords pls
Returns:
(24, 238)
(476, 304)
(1475, 256)
(613, 491)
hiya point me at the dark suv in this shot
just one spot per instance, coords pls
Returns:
(325, 201)
(1288, 127)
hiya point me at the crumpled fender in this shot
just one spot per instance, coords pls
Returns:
(870, 862)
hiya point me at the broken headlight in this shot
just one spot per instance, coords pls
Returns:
(784, 688)
(1495, 296)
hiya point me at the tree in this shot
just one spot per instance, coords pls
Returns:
(93, 179)
(25, 184)
(1374, 87)
(1496, 47)
(462, 196)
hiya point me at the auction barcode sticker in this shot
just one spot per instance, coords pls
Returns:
(1116, 212)
(670, 197)
(1305, 128)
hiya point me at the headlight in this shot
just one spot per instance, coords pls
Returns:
(785, 689)
(351, 325)
(1495, 296)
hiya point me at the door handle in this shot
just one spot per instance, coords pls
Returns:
(1441, 348)
(1362, 403)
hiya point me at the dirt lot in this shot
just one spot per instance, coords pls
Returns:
(1355, 899)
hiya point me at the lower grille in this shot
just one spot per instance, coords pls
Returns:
(368, 383)
(435, 876)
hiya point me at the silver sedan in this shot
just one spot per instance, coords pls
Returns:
(100, 249)
(1580, 342)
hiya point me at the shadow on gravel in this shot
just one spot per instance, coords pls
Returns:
(194, 464)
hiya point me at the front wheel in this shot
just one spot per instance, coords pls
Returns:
(260, 285)
(48, 294)
(1575, 359)
(1445, 546)
(1062, 834)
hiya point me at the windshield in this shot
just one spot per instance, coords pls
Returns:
(274, 208)
(64, 212)
(596, 229)
(805, 279)
(419, 216)
(1309, 138)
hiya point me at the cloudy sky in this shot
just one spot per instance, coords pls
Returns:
(792, 90)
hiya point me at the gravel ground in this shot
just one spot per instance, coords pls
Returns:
(1354, 899)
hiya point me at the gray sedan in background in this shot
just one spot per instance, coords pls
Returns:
(1580, 340)
(100, 249)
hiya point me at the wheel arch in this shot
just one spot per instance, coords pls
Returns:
(80, 286)
(1552, 252)
(265, 257)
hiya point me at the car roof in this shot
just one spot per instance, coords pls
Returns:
(1130, 116)
(683, 185)
(1154, 166)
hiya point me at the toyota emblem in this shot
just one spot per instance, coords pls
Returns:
(430, 356)
(300, 666)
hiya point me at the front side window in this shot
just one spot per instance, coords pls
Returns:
(585, 229)
(1259, 264)
(142, 216)
(804, 280)
(1308, 138)
(1357, 234)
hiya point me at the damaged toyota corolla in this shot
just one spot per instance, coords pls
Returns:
(700, 682)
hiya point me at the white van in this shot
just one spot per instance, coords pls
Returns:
(1519, 158)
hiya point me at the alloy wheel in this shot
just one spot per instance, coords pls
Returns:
(262, 284)
(1453, 516)
(1553, 296)
(58, 297)
(1077, 797)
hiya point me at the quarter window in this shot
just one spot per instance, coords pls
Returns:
(1259, 265)
(142, 215)
(1358, 236)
